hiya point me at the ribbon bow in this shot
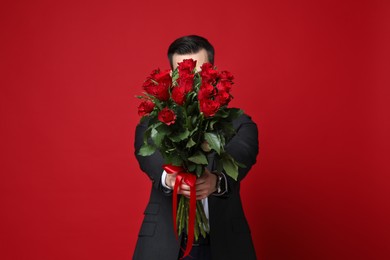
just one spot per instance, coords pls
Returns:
(189, 179)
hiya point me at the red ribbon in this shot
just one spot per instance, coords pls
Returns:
(190, 180)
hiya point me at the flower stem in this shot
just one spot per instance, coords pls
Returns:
(180, 215)
(203, 224)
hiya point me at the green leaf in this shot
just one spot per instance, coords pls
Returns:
(177, 137)
(228, 130)
(156, 137)
(212, 123)
(222, 113)
(194, 130)
(177, 161)
(191, 108)
(199, 170)
(197, 81)
(190, 143)
(191, 167)
(214, 141)
(241, 165)
(147, 135)
(143, 118)
(230, 167)
(172, 157)
(219, 165)
(162, 128)
(156, 124)
(146, 150)
(175, 75)
(223, 141)
(198, 158)
(235, 113)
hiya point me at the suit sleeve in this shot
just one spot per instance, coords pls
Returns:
(243, 147)
(151, 165)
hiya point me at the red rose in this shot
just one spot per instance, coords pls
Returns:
(206, 91)
(186, 66)
(206, 66)
(160, 91)
(223, 98)
(148, 86)
(226, 75)
(163, 77)
(224, 85)
(154, 73)
(167, 116)
(145, 107)
(158, 84)
(160, 76)
(208, 73)
(179, 94)
(186, 81)
(209, 107)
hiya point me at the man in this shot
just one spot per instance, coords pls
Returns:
(229, 236)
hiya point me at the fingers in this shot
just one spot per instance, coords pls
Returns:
(184, 187)
(200, 181)
(185, 190)
(203, 178)
(201, 192)
(199, 195)
(205, 185)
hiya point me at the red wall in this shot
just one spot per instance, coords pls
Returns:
(313, 75)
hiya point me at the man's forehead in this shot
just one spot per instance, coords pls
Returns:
(200, 56)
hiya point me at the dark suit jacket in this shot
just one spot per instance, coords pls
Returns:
(230, 236)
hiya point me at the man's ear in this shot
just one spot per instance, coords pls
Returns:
(170, 73)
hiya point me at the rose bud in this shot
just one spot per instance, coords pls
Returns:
(205, 146)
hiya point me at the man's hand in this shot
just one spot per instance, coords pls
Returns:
(184, 189)
(205, 185)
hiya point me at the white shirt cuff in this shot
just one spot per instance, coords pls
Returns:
(163, 177)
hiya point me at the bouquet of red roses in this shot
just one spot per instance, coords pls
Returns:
(188, 119)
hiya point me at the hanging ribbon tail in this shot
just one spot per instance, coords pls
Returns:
(179, 179)
(171, 169)
(190, 180)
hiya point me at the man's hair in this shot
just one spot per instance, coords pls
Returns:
(190, 44)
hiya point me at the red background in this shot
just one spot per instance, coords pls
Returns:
(313, 75)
